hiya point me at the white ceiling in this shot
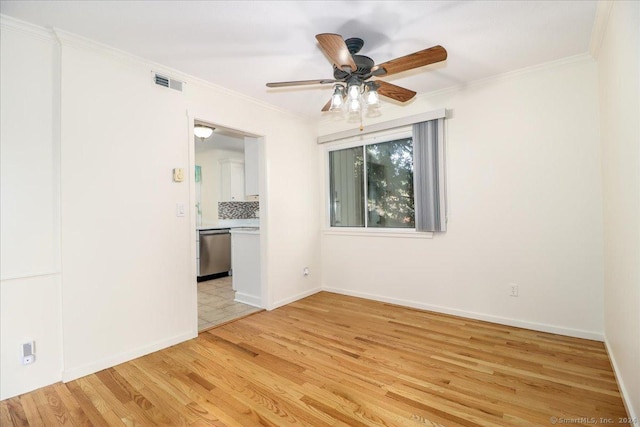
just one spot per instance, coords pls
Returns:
(242, 45)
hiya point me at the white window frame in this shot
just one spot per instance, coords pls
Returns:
(363, 141)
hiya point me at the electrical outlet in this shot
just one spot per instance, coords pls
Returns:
(28, 353)
(305, 272)
(513, 290)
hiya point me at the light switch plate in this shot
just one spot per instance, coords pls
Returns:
(179, 209)
(178, 174)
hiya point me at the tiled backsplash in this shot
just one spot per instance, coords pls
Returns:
(238, 210)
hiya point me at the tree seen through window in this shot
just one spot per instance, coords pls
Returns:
(387, 194)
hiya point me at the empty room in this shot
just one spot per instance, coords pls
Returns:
(356, 213)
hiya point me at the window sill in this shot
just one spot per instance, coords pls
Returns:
(389, 232)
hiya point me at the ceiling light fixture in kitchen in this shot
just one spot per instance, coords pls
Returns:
(203, 132)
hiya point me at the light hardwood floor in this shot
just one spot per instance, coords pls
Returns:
(335, 360)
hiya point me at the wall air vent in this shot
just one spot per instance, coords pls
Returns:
(162, 80)
(167, 82)
(175, 84)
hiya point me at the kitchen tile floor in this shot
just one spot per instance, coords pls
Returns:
(216, 304)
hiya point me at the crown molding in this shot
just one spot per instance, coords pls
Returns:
(603, 11)
(510, 75)
(78, 42)
(67, 39)
(19, 26)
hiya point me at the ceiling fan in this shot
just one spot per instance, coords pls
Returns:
(351, 71)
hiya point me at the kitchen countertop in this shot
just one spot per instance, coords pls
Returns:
(211, 227)
(245, 230)
(230, 223)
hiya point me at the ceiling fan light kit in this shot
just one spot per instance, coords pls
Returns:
(351, 91)
(357, 97)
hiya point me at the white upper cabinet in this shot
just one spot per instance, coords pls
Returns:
(251, 167)
(231, 180)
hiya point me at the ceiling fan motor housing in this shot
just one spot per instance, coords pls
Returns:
(354, 45)
(363, 63)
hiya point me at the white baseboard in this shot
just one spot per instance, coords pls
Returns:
(75, 373)
(296, 297)
(623, 390)
(578, 333)
(248, 299)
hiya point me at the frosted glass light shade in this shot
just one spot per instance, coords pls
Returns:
(354, 92)
(202, 132)
(337, 98)
(354, 105)
(372, 98)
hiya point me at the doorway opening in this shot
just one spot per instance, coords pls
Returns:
(227, 210)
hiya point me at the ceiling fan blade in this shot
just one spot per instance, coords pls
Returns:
(326, 106)
(417, 59)
(394, 92)
(336, 49)
(301, 83)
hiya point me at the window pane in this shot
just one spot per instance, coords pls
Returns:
(346, 170)
(390, 184)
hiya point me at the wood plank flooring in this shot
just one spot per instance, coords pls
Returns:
(333, 360)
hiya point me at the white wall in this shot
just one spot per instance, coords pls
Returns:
(524, 206)
(619, 88)
(142, 288)
(289, 196)
(125, 254)
(292, 168)
(128, 273)
(210, 168)
(29, 209)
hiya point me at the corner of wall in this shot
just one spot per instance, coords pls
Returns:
(618, 60)
(626, 399)
(603, 10)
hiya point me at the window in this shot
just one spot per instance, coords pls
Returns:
(372, 185)
(395, 180)
(346, 170)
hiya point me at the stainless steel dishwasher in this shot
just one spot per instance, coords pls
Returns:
(215, 252)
